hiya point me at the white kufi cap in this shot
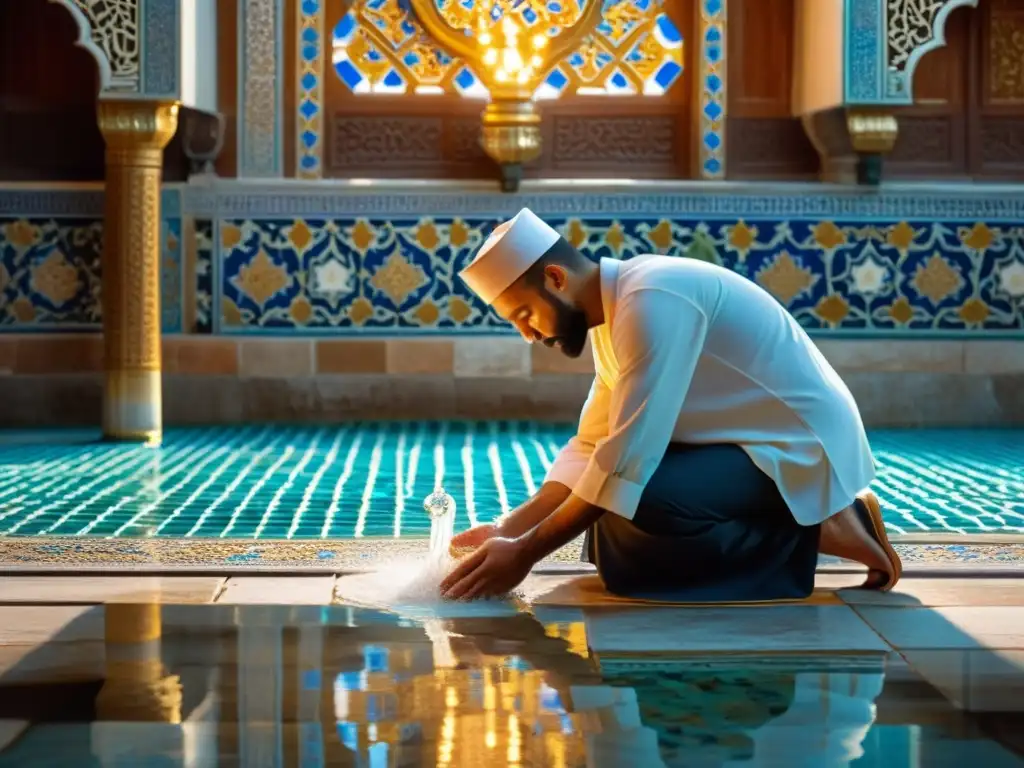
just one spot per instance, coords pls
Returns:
(508, 253)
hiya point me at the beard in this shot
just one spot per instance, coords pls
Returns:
(571, 330)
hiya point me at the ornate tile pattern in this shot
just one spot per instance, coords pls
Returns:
(713, 88)
(259, 87)
(114, 30)
(359, 275)
(204, 275)
(161, 50)
(171, 271)
(912, 29)
(884, 42)
(71, 554)
(356, 275)
(50, 273)
(689, 201)
(309, 68)
(139, 41)
(865, 30)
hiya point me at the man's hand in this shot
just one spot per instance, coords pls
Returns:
(495, 568)
(474, 537)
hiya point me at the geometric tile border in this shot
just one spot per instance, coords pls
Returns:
(77, 554)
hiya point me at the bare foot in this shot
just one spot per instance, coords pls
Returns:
(857, 534)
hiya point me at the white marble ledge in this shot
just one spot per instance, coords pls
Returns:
(973, 680)
(599, 185)
(282, 590)
(951, 627)
(95, 590)
(532, 186)
(35, 624)
(212, 196)
(753, 629)
(935, 593)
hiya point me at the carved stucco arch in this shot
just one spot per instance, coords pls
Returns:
(85, 41)
(937, 38)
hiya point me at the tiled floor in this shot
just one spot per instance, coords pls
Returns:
(277, 671)
(323, 484)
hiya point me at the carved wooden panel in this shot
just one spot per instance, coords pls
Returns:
(365, 142)
(397, 145)
(929, 145)
(1001, 145)
(624, 139)
(764, 140)
(1003, 53)
(997, 124)
(770, 148)
(760, 55)
(932, 140)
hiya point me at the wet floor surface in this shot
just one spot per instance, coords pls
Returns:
(266, 671)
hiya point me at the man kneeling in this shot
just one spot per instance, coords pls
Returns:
(718, 452)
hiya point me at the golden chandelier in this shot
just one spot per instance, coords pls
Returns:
(512, 46)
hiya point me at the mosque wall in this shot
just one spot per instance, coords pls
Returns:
(321, 305)
(328, 296)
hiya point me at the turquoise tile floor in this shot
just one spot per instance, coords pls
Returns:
(369, 480)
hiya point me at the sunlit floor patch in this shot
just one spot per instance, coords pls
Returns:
(369, 480)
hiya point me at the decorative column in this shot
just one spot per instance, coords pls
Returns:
(136, 133)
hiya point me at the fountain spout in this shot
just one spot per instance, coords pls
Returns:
(440, 506)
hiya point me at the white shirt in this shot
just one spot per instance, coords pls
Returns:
(694, 353)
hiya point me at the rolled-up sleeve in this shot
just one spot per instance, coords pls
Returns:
(657, 337)
(572, 460)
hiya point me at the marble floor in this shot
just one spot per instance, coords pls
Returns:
(303, 670)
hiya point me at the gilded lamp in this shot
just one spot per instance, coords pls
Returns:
(511, 45)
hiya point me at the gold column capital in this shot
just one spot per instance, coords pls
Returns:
(137, 124)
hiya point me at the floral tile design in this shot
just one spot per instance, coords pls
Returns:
(367, 275)
(204, 275)
(50, 273)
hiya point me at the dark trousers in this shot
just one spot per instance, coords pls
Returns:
(711, 527)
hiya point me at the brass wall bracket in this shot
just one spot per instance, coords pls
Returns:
(873, 134)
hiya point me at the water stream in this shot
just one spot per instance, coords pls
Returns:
(410, 587)
(410, 584)
(440, 506)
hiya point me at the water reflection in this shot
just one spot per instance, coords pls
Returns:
(519, 693)
(482, 692)
(266, 686)
(139, 707)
